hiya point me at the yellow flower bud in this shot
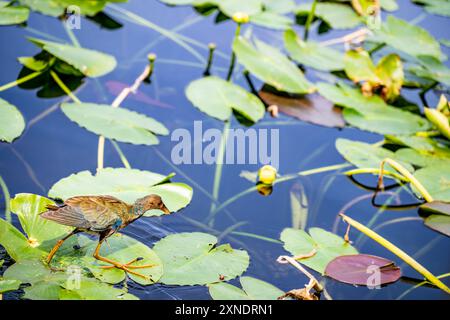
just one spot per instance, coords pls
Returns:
(241, 17)
(267, 174)
(439, 120)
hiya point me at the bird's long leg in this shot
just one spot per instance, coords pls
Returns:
(128, 265)
(58, 245)
(124, 267)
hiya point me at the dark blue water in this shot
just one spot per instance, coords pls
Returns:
(54, 147)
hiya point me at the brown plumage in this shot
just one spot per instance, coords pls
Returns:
(102, 215)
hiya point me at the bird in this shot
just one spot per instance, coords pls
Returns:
(102, 216)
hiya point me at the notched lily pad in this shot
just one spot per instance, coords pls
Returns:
(12, 122)
(363, 269)
(252, 289)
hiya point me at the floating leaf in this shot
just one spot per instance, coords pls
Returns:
(336, 15)
(279, 6)
(313, 54)
(12, 123)
(390, 73)
(115, 123)
(12, 15)
(27, 271)
(436, 181)
(310, 108)
(33, 63)
(28, 207)
(421, 159)
(218, 98)
(90, 289)
(125, 184)
(230, 7)
(252, 289)
(56, 8)
(438, 207)
(194, 259)
(359, 66)
(271, 66)
(365, 155)
(439, 222)
(327, 245)
(439, 7)
(408, 38)
(432, 69)
(89, 62)
(271, 20)
(363, 269)
(8, 285)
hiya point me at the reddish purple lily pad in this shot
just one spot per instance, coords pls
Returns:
(363, 269)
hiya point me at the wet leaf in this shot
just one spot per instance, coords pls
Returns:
(268, 64)
(336, 15)
(115, 123)
(89, 62)
(327, 245)
(313, 54)
(252, 289)
(363, 269)
(218, 98)
(12, 123)
(436, 181)
(9, 285)
(125, 184)
(28, 207)
(12, 15)
(310, 108)
(408, 38)
(194, 259)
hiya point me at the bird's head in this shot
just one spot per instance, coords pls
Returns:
(150, 202)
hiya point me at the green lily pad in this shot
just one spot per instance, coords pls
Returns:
(327, 245)
(28, 271)
(252, 289)
(94, 290)
(28, 207)
(49, 7)
(439, 222)
(33, 64)
(359, 66)
(268, 64)
(115, 123)
(271, 20)
(230, 7)
(56, 8)
(390, 73)
(218, 98)
(436, 181)
(125, 184)
(89, 62)
(279, 6)
(312, 54)
(431, 68)
(8, 285)
(438, 7)
(12, 123)
(408, 38)
(194, 259)
(421, 159)
(336, 15)
(12, 15)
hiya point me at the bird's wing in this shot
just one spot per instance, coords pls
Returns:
(96, 213)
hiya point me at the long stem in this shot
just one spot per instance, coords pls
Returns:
(416, 183)
(375, 171)
(397, 251)
(122, 156)
(63, 86)
(233, 55)
(309, 20)
(7, 197)
(116, 103)
(279, 180)
(20, 81)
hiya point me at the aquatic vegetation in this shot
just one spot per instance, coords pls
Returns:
(376, 79)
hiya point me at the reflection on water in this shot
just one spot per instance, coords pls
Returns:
(54, 147)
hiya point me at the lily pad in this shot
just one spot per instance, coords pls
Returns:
(8, 285)
(271, 20)
(359, 66)
(125, 184)
(268, 64)
(12, 123)
(336, 15)
(218, 98)
(431, 68)
(12, 15)
(312, 54)
(327, 245)
(439, 223)
(436, 181)
(28, 207)
(408, 38)
(310, 108)
(363, 269)
(115, 123)
(438, 7)
(89, 62)
(230, 7)
(194, 259)
(27, 271)
(421, 159)
(252, 289)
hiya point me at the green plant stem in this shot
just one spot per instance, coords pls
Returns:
(71, 35)
(424, 92)
(219, 169)
(397, 251)
(410, 178)
(309, 20)
(63, 87)
(122, 156)
(7, 198)
(419, 285)
(375, 171)
(278, 180)
(256, 236)
(233, 55)
(212, 48)
(20, 81)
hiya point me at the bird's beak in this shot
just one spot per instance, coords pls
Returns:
(165, 210)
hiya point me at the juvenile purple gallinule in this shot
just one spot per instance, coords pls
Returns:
(103, 216)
